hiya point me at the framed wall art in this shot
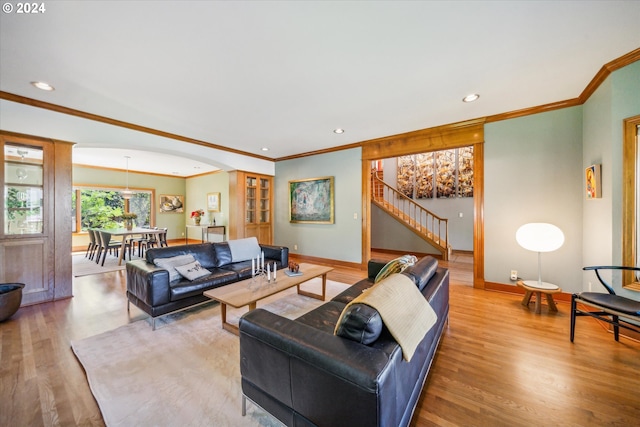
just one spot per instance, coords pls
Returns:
(213, 202)
(171, 203)
(436, 174)
(593, 182)
(311, 200)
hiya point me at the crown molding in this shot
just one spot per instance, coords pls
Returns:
(594, 84)
(89, 116)
(598, 79)
(324, 151)
(606, 70)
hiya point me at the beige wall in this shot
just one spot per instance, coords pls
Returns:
(197, 189)
(174, 223)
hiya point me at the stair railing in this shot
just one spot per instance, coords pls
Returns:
(417, 217)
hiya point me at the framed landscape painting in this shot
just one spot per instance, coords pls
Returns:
(171, 204)
(311, 200)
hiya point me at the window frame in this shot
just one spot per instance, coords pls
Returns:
(77, 189)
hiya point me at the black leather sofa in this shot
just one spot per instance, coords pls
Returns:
(149, 288)
(304, 375)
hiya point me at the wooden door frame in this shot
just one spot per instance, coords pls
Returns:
(433, 139)
(629, 214)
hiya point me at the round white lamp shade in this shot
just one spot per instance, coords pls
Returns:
(540, 237)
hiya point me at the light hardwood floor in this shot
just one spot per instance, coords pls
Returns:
(498, 363)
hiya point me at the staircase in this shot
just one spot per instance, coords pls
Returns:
(425, 224)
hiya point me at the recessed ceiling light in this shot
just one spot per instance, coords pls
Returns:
(338, 130)
(265, 148)
(471, 98)
(43, 86)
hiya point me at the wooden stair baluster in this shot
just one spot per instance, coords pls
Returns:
(422, 222)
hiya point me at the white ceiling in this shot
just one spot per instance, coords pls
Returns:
(145, 161)
(247, 74)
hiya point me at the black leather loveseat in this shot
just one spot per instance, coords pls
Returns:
(149, 286)
(304, 375)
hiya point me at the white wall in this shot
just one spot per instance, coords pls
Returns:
(616, 99)
(387, 233)
(533, 173)
(197, 189)
(597, 214)
(339, 241)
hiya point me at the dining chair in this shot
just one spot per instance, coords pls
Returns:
(92, 246)
(112, 246)
(99, 245)
(162, 238)
(141, 242)
(138, 241)
(152, 240)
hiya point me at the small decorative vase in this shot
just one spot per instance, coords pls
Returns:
(129, 224)
(197, 220)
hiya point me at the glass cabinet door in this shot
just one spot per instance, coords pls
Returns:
(23, 189)
(251, 200)
(265, 200)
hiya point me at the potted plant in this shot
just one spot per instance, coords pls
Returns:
(197, 215)
(128, 218)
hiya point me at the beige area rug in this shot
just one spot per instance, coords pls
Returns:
(84, 266)
(186, 372)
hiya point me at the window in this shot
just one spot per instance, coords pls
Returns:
(23, 189)
(102, 207)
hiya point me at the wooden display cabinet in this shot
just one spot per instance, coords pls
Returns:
(251, 206)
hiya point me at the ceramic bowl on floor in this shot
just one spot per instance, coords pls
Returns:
(10, 299)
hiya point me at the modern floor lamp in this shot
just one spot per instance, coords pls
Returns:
(540, 237)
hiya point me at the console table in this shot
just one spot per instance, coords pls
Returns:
(204, 232)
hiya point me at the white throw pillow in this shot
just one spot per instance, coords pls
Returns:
(170, 264)
(192, 271)
(244, 249)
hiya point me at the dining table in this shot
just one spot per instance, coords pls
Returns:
(125, 233)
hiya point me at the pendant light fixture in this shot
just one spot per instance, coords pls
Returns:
(126, 193)
(21, 172)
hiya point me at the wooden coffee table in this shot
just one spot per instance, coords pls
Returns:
(249, 292)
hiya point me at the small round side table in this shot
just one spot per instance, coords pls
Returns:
(539, 288)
